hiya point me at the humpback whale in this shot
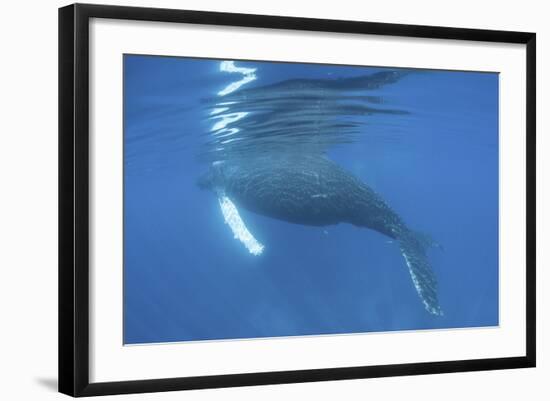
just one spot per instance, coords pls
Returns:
(313, 190)
(268, 155)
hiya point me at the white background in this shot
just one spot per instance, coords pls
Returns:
(28, 212)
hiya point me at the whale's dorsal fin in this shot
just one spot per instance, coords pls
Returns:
(236, 223)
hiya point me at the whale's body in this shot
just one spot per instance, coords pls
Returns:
(313, 190)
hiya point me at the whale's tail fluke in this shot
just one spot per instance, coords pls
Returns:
(414, 247)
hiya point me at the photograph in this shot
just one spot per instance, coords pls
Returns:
(207, 200)
(268, 199)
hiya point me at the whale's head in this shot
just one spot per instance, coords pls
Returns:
(204, 181)
(213, 178)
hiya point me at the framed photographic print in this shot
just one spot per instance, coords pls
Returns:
(249, 199)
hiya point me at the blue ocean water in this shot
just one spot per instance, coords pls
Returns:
(425, 140)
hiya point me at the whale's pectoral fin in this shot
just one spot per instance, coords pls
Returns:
(236, 223)
(423, 277)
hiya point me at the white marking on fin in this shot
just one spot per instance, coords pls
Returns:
(418, 287)
(320, 196)
(233, 219)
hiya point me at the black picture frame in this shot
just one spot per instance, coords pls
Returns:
(74, 194)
